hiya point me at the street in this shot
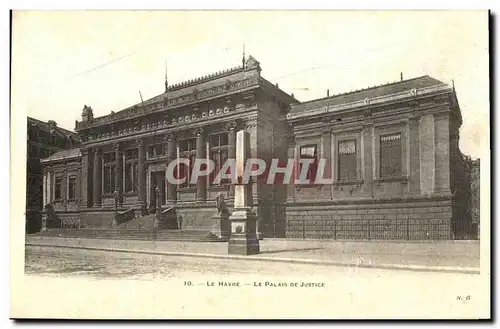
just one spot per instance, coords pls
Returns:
(56, 261)
(347, 291)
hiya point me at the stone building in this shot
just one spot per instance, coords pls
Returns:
(391, 153)
(43, 140)
(128, 151)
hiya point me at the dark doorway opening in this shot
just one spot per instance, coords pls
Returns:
(157, 181)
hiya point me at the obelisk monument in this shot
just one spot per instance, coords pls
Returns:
(243, 239)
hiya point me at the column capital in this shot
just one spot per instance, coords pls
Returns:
(96, 150)
(198, 131)
(231, 125)
(116, 146)
(84, 151)
(139, 142)
(169, 137)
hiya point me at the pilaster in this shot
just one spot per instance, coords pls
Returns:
(201, 189)
(141, 172)
(118, 172)
(97, 187)
(171, 156)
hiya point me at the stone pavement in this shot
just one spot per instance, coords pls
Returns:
(443, 256)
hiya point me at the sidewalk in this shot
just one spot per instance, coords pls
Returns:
(441, 256)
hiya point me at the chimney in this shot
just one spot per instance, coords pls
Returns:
(328, 93)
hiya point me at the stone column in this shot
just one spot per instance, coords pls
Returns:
(231, 154)
(85, 193)
(44, 191)
(141, 184)
(118, 172)
(49, 186)
(243, 239)
(171, 156)
(201, 189)
(97, 188)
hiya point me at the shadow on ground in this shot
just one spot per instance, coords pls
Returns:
(288, 250)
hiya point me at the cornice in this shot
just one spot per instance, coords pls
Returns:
(240, 116)
(412, 95)
(166, 103)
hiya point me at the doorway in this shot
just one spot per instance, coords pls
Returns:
(157, 180)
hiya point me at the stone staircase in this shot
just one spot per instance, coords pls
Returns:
(134, 234)
(132, 227)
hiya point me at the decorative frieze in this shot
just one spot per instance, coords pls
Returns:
(166, 102)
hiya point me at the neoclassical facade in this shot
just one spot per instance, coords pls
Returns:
(391, 154)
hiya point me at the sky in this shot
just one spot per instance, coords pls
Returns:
(63, 60)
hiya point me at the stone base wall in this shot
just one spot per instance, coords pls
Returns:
(397, 220)
(195, 216)
(96, 218)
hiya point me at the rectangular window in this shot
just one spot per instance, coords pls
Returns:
(309, 152)
(390, 155)
(109, 172)
(186, 145)
(155, 151)
(348, 164)
(71, 188)
(57, 188)
(218, 154)
(187, 150)
(131, 170)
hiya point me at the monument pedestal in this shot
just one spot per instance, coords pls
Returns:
(220, 226)
(243, 239)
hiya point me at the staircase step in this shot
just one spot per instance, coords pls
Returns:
(131, 234)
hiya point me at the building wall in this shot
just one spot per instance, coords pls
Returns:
(417, 204)
(41, 143)
(67, 210)
(272, 133)
(392, 220)
(391, 203)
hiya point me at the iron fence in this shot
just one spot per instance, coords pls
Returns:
(373, 229)
(70, 223)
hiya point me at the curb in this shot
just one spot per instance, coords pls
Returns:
(415, 268)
